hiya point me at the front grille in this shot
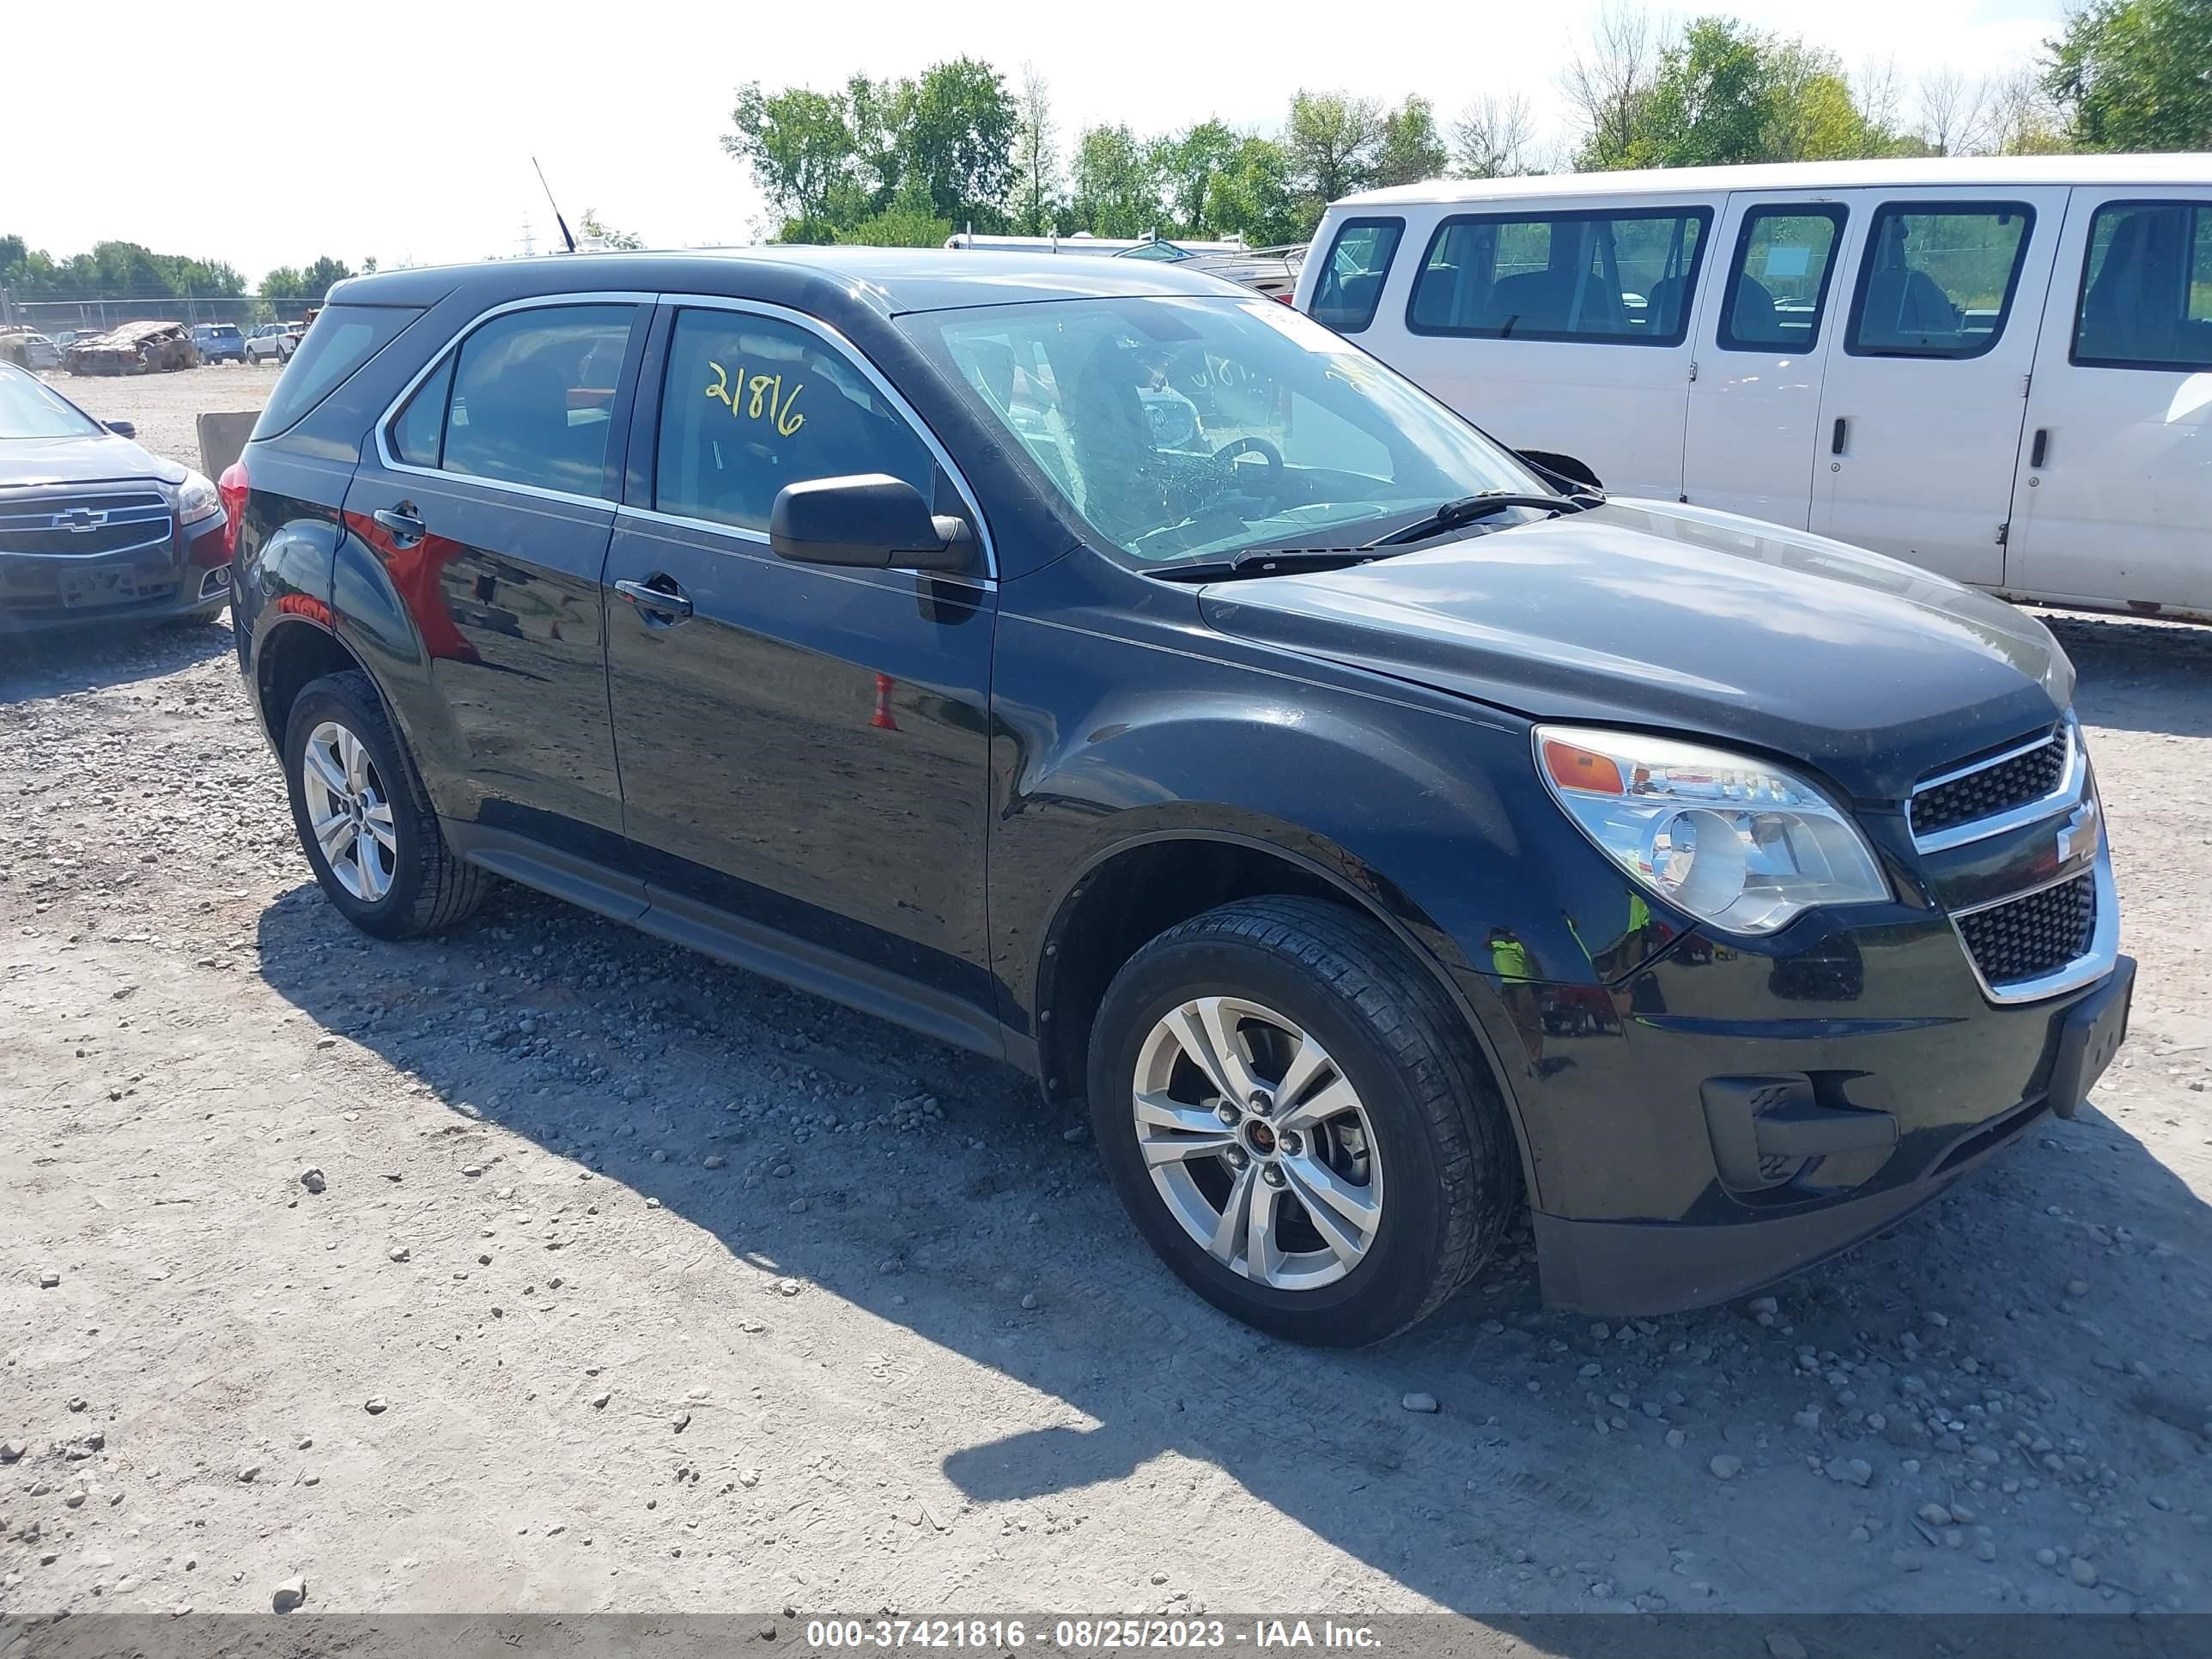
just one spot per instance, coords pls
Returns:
(2026, 938)
(1999, 788)
(83, 523)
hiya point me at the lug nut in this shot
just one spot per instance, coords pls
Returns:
(1289, 1143)
(1272, 1176)
(1227, 1114)
(1262, 1103)
(1238, 1157)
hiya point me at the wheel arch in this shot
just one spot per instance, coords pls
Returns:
(1135, 888)
(296, 649)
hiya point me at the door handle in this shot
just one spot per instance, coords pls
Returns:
(669, 602)
(2040, 448)
(1843, 430)
(401, 520)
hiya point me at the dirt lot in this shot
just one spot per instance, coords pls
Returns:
(630, 1281)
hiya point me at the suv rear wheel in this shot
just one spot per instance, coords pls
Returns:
(1299, 1122)
(363, 819)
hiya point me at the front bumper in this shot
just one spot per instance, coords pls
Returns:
(187, 576)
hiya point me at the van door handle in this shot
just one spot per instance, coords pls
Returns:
(670, 603)
(406, 529)
(2040, 448)
(1843, 430)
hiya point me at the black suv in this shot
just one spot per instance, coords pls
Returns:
(1108, 670)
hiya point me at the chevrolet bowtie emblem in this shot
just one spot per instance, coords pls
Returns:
(2081, 832)
(79, 518)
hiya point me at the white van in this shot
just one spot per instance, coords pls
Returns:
(2000, 369)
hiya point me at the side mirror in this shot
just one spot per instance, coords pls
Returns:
(869, 519)
(121, 429)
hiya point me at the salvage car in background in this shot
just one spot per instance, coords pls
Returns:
(1996, 369)
(1364, 828)
(95, 532)
(1273, 271)
(219, 342)
(273, 343)
(146, 348)
(26, 348)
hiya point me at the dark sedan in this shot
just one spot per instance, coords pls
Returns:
(95, 532)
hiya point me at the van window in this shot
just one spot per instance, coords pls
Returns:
(1352, 279)
(752, 404)
(1938, 279)
(1617, 278)
(1778, 283)
(533, 398)
(2146, 288)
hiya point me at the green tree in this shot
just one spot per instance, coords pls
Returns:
(910, 221)
(1495, 138)
(1033, 205)
(1185, 165)
(1115, 191)
(955, 130)
(592, 228)
(1411, 150)
(1334, 143)
(1252, 197)
(800, 146)
(2136, 75)
(1709, 103)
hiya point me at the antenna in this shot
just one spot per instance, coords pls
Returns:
(555, 206)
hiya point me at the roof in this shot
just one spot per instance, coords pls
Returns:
(891, 280)
(1969, 172)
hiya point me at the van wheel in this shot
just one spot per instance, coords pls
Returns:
(1299, 1122)
(363, 818)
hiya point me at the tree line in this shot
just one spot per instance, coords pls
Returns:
(910, 160)
(128, 272)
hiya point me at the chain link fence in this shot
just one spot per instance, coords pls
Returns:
(97, 313)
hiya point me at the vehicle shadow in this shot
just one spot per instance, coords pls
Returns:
(60, 665)
(2140, 675)
(1570, 1465)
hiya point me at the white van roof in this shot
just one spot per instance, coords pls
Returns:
(1977, 172)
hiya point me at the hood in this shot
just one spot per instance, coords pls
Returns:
(106, 458)
(1695, 623)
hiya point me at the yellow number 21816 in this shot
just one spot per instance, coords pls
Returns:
(768, 400)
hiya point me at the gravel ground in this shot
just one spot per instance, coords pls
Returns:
(545, 1266)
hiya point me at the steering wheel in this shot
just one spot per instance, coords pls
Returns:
(1225, 457)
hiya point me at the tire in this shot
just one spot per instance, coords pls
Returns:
(1425, 1150)
(403, 887)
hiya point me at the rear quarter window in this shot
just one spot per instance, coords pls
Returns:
(340, 341)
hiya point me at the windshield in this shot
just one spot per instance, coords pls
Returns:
(1185, 427)
(28, 410)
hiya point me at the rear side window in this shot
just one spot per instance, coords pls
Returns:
(752, 404)
(1611, 278)
(343, 338)
(1351, 278)
(1938, 279)
(529, 400)
(2146, 288)
(1778, 283)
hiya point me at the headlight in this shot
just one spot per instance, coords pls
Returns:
(197, 499)
(1733, 840)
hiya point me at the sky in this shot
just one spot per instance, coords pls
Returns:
(405, 130)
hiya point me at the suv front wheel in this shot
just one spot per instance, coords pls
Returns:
(363, 819)
(1299, 1122)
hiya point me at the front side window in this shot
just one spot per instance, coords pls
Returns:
(1353, 275)
(1779, 284)
(529, 400)
(2146, 288)
(1612, 278)
(752, 404)
(1938, 280)
(1178, 428)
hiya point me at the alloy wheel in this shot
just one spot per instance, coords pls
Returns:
(349, 811)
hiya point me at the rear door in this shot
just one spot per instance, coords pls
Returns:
(2117, 504)
(1561, 330)
(489, 496)
(1923, 396)
(804, 750)
(1764, 323)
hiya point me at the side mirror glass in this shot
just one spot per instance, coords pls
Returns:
(869, 521)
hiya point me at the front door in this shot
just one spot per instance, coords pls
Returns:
(488, 499)
(2118, 497)
(1922, 402)
(803, 749)
(1763, 334)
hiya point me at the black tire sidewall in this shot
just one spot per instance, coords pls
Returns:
(1391, 1284)
(331, 700)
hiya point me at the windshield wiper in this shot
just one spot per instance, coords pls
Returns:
(1267, 561)
(1465, 511)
